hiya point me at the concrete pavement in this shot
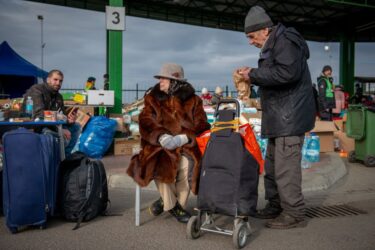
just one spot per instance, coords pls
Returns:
(319, 177)
(163, 232)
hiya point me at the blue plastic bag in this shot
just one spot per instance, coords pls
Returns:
(97, 136)
(263, 142)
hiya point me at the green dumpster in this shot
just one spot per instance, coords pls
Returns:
(361, 127)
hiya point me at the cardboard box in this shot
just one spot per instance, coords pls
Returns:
(325, 131)
(87, 110)
(70, 103)
(101, 97)
(256, 115)
(82, 118)
(71, 110)
(340, 125)
(84, 108)
(345, 143)
(123, 146)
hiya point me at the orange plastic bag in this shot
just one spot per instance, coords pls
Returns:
(249, 138)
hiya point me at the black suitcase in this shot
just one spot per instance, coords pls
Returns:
(229, 173)
(30, 178)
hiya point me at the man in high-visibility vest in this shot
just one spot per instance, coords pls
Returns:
(326, 97)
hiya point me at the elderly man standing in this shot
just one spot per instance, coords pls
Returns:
(288, 109)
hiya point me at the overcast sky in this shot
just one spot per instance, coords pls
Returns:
(75, 43)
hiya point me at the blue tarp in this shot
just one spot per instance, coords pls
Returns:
(16, 73)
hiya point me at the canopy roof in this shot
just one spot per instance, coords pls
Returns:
(365, 79)
(13, 64)
(16, 74)
(318, 20)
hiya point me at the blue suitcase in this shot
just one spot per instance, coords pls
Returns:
(30, 178)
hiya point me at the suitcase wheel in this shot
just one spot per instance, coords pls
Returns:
(13, 230)
(240, 235)
(193, 229)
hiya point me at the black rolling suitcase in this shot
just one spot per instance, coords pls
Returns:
(229, 174)
(30, 178)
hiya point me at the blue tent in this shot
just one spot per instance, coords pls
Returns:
(16, 73)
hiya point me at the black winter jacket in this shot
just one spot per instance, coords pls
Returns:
(44, 98)
(285, 86)
(325, 102)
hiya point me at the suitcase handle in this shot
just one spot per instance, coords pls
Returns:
(235, 101)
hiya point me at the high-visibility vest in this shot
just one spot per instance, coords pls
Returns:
(329, 88)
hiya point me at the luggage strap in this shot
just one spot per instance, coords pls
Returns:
(218, 125)
(84, 207)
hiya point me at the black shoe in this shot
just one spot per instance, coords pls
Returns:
(284, 221)
(269, 212)
(180, 214)
(157, 207)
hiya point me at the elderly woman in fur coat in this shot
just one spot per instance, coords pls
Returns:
(171, 119)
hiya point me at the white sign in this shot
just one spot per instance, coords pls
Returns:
(115, 18)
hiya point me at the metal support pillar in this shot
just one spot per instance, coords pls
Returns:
(347, 49)
(114, 60)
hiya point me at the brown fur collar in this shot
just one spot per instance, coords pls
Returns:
(184, 92)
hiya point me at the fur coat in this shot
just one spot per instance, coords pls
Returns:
(180, 113)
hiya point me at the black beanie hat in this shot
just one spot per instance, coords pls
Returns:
(257, 19)
(326, 68)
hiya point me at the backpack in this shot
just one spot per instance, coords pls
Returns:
(83, 188)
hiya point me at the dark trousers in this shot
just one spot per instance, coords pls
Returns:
(283, 178)
(326, 115)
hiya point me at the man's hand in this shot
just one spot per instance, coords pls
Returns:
(67, 134)
(72, 117)
(244, 71)
(180, 140)
(167, 142)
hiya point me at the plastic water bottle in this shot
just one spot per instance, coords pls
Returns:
(313, 149)
(29, 106)
(304, 162)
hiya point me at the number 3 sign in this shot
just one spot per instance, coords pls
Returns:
(115, 18)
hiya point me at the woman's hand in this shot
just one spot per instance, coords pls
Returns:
(180, 140)
(167, 142)
(172, 142)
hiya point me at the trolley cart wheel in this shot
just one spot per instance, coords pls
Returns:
(240, 235)
(193, 229)
(351, 157)
(369, 161)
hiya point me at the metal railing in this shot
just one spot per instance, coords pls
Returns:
(130, 95)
